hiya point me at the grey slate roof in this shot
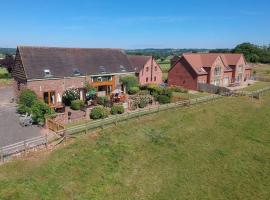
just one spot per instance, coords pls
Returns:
(67, 62)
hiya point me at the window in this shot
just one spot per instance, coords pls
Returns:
(49, 97)
(76, 72)
(146, 79)
(155, 68)
(155, 78)
(147, 69)
(217, 71)
(101, 78)
(240, 68)
(47, 73)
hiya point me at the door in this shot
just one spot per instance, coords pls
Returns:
(49, 97)
(226, 81)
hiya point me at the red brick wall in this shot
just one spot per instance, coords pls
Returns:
(247, 74)
(154, 73)
(181, 75)
(229, 75)
(57, 85)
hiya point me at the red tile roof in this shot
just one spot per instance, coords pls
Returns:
(199, 61)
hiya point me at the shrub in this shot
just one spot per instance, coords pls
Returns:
(117, 109)
(76, 104)
(103, 101)
(39, 110)
(133, 90)
(178, 89)
(70, 95)
(99, 112)
(133, 105)
(22, 109)
(27, 98)
(163, 99)
(142, 103)
(129, 81)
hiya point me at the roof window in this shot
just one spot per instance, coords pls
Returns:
(76, 72)
(47, 73)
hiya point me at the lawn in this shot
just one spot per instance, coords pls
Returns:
(178, 96)
(256, 86)
(211, 151)
(262, 70)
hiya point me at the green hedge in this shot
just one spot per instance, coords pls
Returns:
(76, 104)
(163, 99)
(103, 101)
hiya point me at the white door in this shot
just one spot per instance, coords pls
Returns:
(226, 81)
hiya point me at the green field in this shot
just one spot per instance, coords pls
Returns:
(211, 151)
(262, 70)
(165, 67)
(256, 86)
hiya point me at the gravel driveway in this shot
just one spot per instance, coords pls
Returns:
(10, 129)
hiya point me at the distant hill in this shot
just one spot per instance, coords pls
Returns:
(163, 53)
(5, 51)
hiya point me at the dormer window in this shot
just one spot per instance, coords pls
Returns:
(76, 72)
(102, 69)
(47, 73)
(122, 68)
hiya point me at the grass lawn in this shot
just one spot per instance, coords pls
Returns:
(178, 96)
(262, 70)
(256, 86)
(212, 151)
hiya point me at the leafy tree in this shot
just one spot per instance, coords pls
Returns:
(27, 98)
(70, 95)
(39, 110)
(129, 81)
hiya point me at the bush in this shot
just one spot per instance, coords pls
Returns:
(22, 109)
(39, 110)
(103, 101)
(129, 81)
(163, 99)
(27, 98)
(133, 90)
(117, 109)
(99, 112)
(142, 103)
(70, 95)
(133, 105)
(76, 104)
(178, 89)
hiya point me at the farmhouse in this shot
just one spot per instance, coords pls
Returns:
(212, 68)
(146, 69)
(50, 71)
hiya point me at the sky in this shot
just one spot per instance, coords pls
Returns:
(133, 24)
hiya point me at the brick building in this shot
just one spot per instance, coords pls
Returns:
(212, 68)
(146, 69)
(50, 71)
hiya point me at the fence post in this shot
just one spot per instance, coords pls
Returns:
(25, 147)
(2, 155)
(46, 140)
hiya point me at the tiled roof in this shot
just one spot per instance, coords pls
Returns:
(138, 62)
(67, 62)
(204, 60)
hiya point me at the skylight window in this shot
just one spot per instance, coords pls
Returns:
(102, 69)
(76, 72)
(122, 68)
(47, 73)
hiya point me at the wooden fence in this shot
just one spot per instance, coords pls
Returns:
(53, 125)
(22, 146)
(93, 124)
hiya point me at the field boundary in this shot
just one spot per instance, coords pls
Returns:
(134, 114)
(23, 146)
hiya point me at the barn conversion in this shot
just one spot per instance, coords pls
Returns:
(212, 68)
(146, 69)
(49, 71)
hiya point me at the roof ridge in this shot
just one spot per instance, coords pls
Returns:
(54, 47)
